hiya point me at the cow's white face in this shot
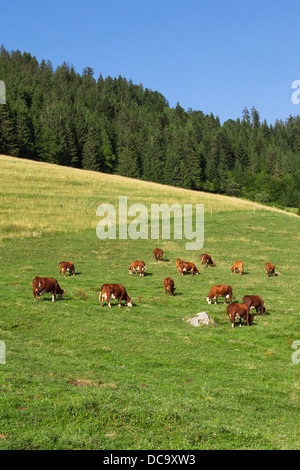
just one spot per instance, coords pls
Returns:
(227, 296)
(208, 300)
(129, 303)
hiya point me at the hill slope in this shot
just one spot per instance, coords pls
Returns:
(41, 196)
(80, 377)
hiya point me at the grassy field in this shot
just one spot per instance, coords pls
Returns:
(80, 377)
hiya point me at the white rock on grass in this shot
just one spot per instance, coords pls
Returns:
(201, 318)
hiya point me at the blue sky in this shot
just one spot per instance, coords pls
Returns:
(211, 56)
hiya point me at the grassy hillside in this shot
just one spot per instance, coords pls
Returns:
(39, 196)
(80, 377)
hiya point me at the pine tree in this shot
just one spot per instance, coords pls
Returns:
(91, 159)
(7, 137)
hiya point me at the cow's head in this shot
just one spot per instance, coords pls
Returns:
(62, 294)
(208, 300)
(231, 269)
(128, 302)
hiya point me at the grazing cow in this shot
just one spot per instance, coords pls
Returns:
(114, 291)
(206, 259)
(178, 261)
(239, 311)
(219, 291)
(185, 266)
(254, 302)
(137, 266)
(270, 269)
(41, 285)
(66, 266)
(158, 254)
(238, 265)
(169, 286)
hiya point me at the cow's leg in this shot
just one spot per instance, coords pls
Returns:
(53, 297)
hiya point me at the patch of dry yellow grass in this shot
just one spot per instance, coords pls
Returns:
(37, 197)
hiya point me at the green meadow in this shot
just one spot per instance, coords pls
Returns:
(78, 376)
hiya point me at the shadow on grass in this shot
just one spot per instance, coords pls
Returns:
(177, 293)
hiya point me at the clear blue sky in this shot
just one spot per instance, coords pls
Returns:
(214, 56)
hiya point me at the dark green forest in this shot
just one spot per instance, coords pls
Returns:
(114, 126)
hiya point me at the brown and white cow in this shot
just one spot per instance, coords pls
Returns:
(66, 266)
(219, 291)
(185, 266)
(238, 265)
(207, 260)
(237, 312)
(42, 285)
(109, 292)
(254, 302)
(169, 286)
(270, 269)
(158, 254)
(137, 266)
(178, 261)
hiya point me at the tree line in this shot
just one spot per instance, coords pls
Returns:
(114, 126)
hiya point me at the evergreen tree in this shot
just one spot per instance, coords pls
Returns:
(115, 126)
